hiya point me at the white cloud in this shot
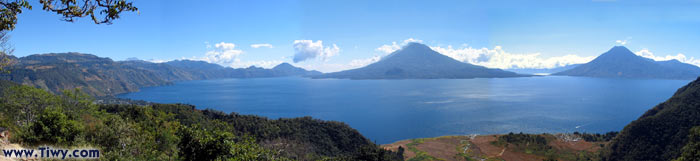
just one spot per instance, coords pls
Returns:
(389, 48)
(499, 58)
(494, 58)
(307, 49)
(157, 60)
(621, 42)
(261, 45)
(223, 53)
(412, 40)
(680, 57)
(363, 62)
(262, 63)
(226, 54)
(396, 46)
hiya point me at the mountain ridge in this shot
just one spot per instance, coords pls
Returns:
(620, 62)
(418, 61)
(101, 76)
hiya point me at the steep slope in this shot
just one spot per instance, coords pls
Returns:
(201, 69)
(163, 71)
(660, 133)
(419, 62)
(622, 63)
(94, 75)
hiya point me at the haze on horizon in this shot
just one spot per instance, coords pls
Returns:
(336, 35)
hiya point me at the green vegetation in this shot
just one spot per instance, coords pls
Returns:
(175, 131)
(691, 150)
(661, 132)
(597, 137)
(68, 9)
(101, 77)
(528, 143)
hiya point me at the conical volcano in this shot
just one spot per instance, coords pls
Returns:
(418, 61)
(621, 62)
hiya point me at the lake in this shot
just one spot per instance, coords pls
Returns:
(386, 111)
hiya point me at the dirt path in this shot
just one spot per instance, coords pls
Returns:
(9, 146)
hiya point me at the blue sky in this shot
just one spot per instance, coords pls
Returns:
(510, 34)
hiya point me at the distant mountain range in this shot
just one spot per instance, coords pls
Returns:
(102, 76)
(544, 71)
(417, 61)
(620, 62)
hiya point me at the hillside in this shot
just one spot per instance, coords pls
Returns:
(660, 133)
(286, 69)
(94, 75)
(165, 71)
(417, 61)
(200, 69)
(99, 76)
(620, 62)
(173, 131)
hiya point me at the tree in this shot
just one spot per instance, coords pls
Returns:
(5, 51)
(100, 11)
(109, 10)
(24, 103)
(53, 126)
(691, 150)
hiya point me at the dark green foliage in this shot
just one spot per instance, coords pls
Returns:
(68, 9)
(597, 137)
(691, 150)
(662, 131)
(9, 11)
(531, 141)
(550, 159)
(176, 131)
(210, 144)
(370, 153)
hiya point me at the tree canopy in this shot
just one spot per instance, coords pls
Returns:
(100, 11)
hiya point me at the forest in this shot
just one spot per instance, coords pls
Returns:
(174, 131)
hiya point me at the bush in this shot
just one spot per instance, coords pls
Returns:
(52, 126)
(202, 144)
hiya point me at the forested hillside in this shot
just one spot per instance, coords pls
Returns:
(662, 131)
(174, 131)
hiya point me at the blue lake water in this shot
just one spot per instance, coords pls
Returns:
(390, 110)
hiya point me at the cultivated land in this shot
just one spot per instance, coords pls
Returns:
(493, 147)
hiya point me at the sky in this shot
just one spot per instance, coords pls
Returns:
(343, 34)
